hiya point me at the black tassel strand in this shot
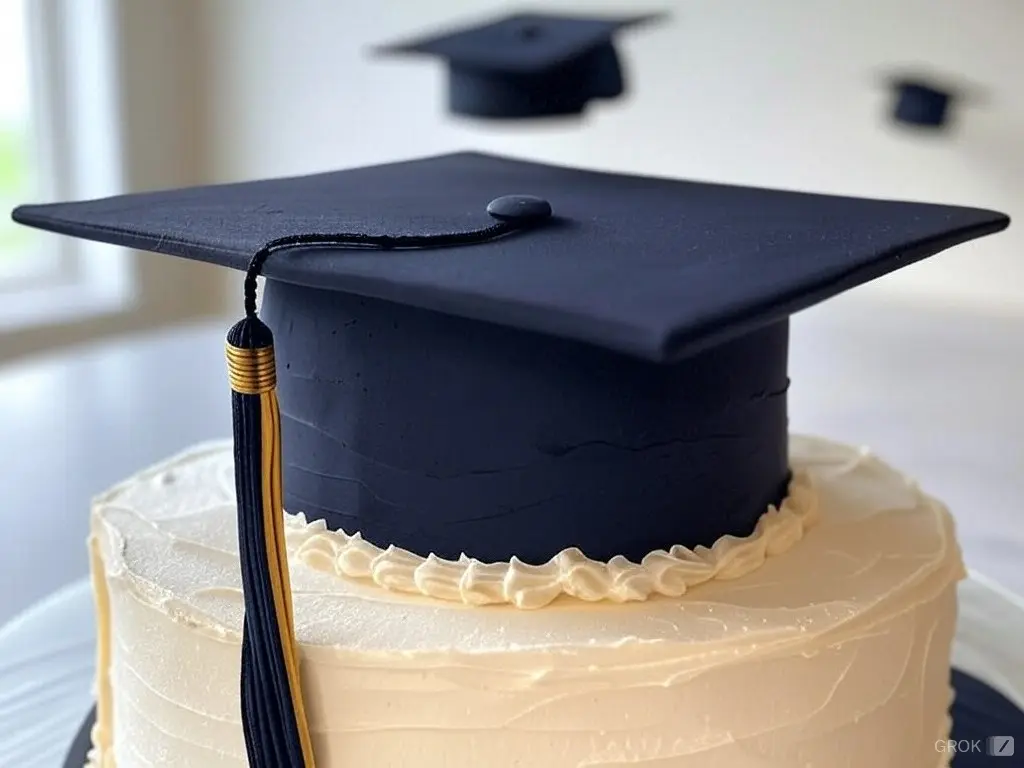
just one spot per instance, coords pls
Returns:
(273, 713)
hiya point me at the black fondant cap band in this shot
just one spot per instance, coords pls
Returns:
(610, 376)
(528, 65)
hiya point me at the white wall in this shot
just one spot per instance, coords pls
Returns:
(782, 93)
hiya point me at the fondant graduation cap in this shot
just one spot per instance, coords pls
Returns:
(505, 359)
(528, 65)
(590, 360)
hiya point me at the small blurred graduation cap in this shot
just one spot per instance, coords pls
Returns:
(528, 65)
(927, 101)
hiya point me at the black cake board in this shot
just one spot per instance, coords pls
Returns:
(80, 747)
(986, 726)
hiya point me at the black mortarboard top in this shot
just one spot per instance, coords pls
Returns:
(528, 65)
(505, 359)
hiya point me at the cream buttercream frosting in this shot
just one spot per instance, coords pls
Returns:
(835, 653)
(467, 580)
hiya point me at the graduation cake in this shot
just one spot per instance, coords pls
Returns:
(511, 484)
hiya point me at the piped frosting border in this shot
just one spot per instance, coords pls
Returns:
(670, 573)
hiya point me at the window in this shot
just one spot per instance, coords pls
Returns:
(15, 242)
(58, 139)
(98, 97)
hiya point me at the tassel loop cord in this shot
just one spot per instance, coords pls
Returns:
(355, 240)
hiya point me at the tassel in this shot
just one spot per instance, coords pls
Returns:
(273, 713)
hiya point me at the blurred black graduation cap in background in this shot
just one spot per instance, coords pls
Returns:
(528, 65)
(928, 101)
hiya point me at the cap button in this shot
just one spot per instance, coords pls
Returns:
(531, 31)
(519, 209)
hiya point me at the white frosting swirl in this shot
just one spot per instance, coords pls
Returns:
(570, 572)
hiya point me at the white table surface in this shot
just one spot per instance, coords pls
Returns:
(46, 665)
(939, 393)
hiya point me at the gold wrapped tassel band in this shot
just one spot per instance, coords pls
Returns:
(251, 371)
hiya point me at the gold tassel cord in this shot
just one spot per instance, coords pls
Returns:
(273, 525)
(270, 622)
